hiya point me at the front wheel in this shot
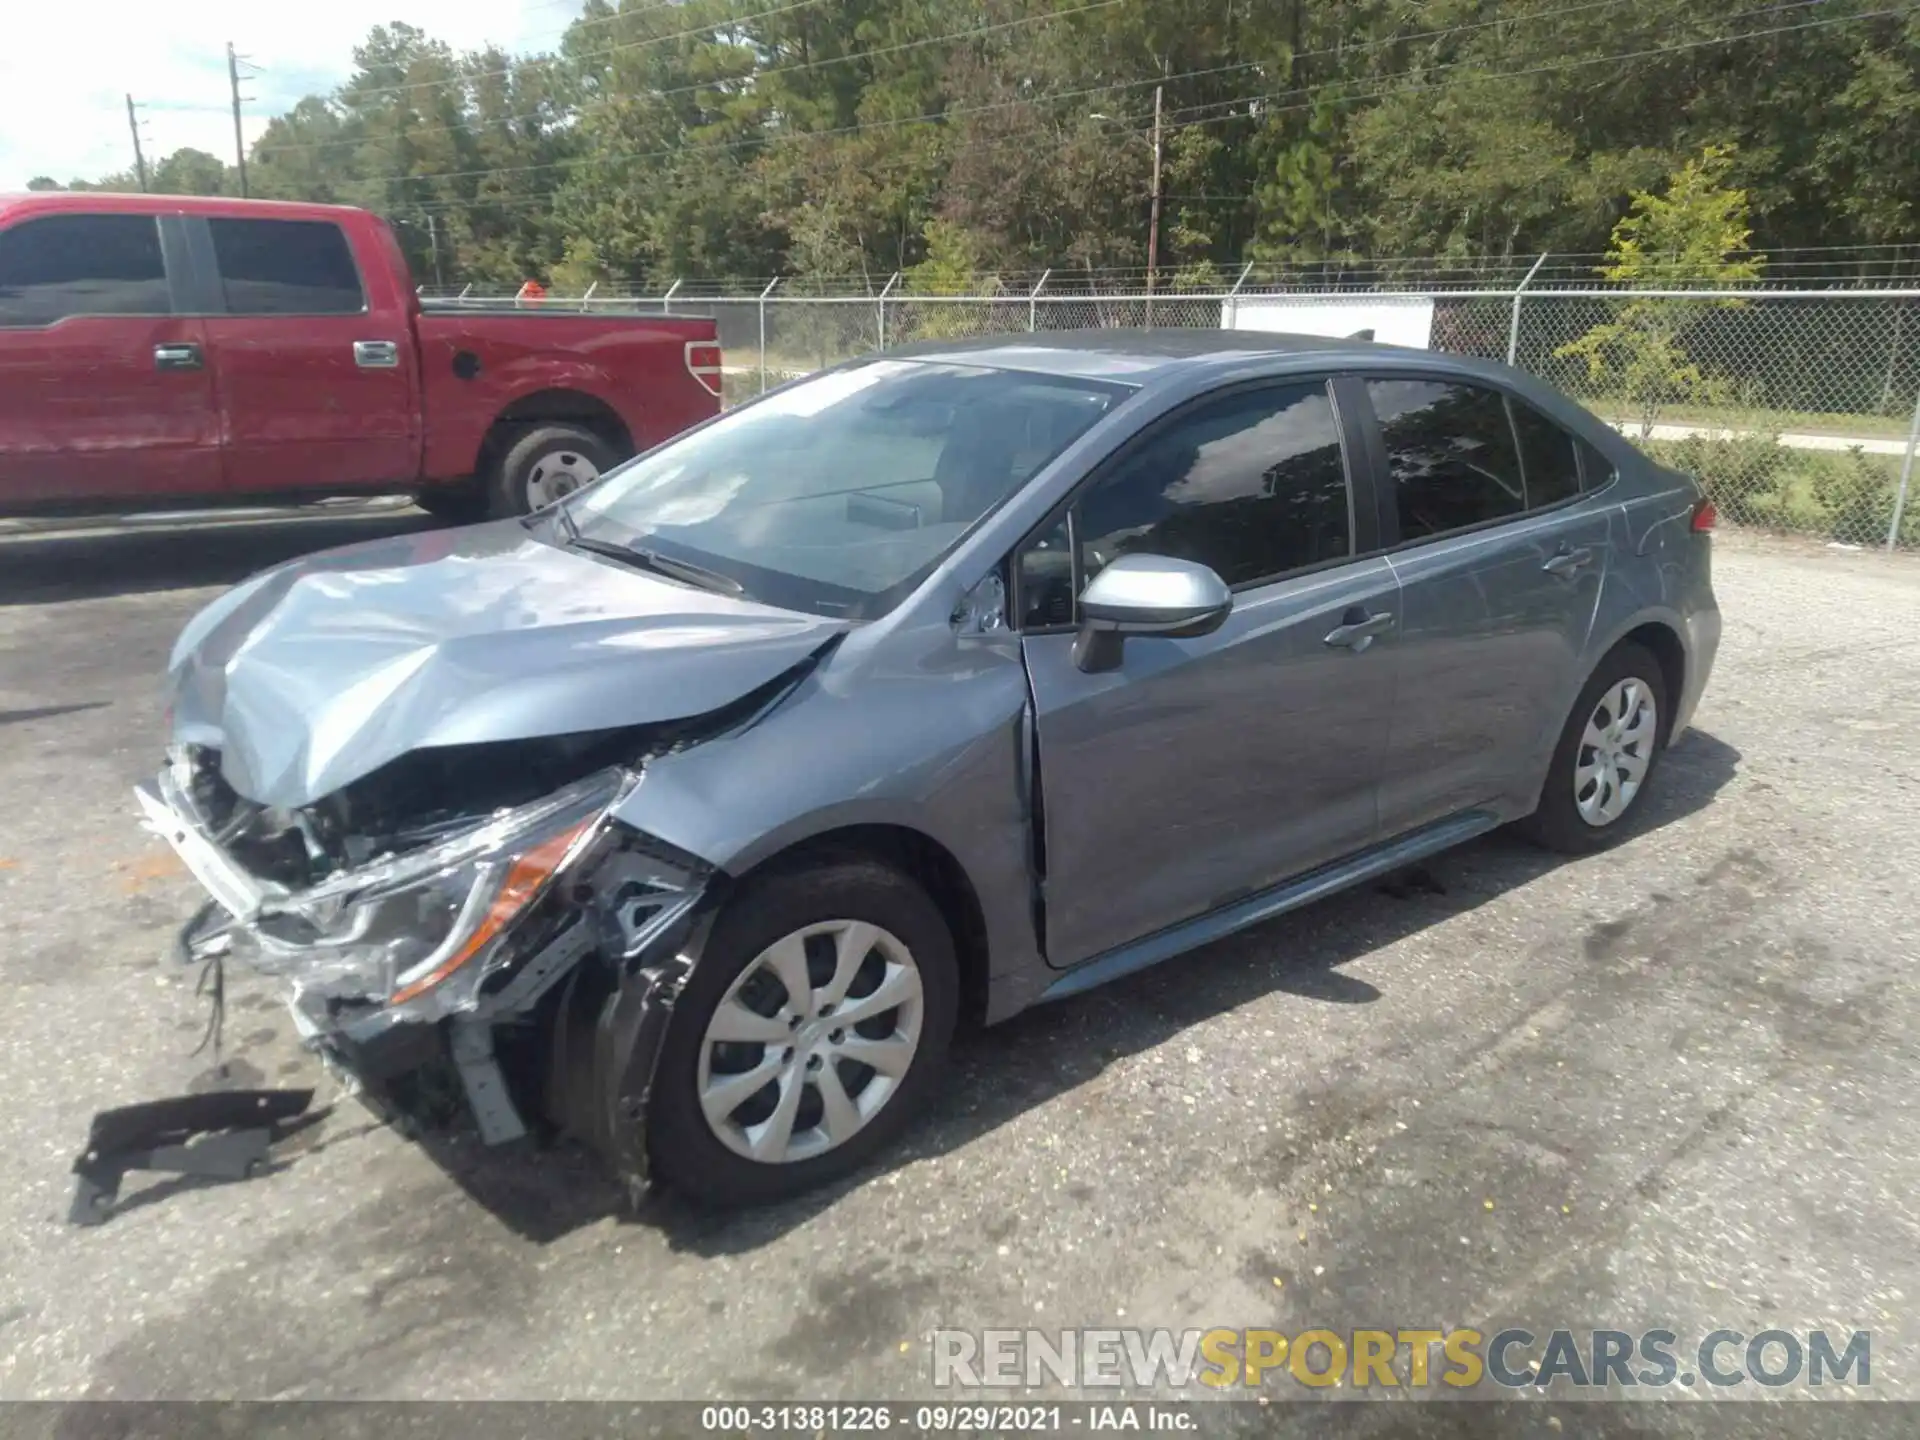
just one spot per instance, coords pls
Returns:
(813, 1030)
(1606, 756)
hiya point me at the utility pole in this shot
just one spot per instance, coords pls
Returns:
(433, 239)
(139, 159)
(1153, 225)
(239, 146)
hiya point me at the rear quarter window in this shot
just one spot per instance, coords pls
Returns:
(1549, 457)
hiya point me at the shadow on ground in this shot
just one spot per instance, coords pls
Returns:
(93, 561)
(1000, 1073)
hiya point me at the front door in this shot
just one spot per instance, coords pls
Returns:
(1202, 770)
(1500, 561)
(316, 386)
(104, 391)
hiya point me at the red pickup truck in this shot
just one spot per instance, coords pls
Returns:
(164, 352)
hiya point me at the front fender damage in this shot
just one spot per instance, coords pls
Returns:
(606, 1034)
(551, 991)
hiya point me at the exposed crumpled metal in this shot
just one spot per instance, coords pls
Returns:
(319, 672)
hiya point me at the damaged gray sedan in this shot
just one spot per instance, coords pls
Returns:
(689, 814)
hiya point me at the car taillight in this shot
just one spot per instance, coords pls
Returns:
(1703, 517)
(703, 363)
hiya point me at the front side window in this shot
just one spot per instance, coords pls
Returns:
(1252, 485)
(286, 267)
(64, 265)
(1450, 455)
(837, 495)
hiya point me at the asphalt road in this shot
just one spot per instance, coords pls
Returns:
(1674, 1086)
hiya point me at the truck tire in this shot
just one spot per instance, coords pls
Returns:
(545, 464)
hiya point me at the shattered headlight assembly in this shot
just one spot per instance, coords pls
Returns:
(424, 929)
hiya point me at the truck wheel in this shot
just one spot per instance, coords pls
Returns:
(812, 1032)
(546, 464)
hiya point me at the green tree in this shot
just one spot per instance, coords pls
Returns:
(1696, 231)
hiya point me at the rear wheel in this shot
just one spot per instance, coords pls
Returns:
(546, 464)
(811, 1033)
(1606, 756)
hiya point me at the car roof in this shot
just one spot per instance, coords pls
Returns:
(120, 202)
(1140, 357)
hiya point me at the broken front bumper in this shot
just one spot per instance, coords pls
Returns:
(587, 964)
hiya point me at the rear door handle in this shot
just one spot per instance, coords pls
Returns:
(177, 357)
(1357, 628)
(376, 354)
(1569, 562)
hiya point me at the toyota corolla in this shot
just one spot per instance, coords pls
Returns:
(689, 814)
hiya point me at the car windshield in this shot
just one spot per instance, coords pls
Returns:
(837, 495)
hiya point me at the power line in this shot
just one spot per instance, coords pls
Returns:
(756, 76)
(1550, 69)
(1381, 91)
(946, 116)
(961, 111)
(649, 43)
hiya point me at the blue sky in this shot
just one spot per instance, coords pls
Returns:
(63, 83)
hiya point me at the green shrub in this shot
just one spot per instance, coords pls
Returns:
(1739, 472)
(1754, 480)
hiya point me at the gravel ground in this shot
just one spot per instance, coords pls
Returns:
(1670, 1086)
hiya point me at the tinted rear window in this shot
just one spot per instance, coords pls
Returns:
(286, 267)
(1547, 452)
(1450, 454)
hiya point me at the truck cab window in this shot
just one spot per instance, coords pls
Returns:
(286, 267)
(67, 265)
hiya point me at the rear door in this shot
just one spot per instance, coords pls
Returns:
(1500, 559)
(314, 372)
(1204, 769)
(104, 393)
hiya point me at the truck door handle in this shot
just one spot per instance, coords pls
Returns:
(1568, 563)
(1357, 628)
(177, 357)
(376, 354)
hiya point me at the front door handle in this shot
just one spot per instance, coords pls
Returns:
(1568, 563)
(1357, 628)
(376, 354)
(178, 357)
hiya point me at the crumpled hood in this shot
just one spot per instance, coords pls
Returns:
(316, 673)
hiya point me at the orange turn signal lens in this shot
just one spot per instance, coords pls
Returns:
(525, 879)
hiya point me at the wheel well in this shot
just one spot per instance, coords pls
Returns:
(934, 868)
(1672, 656)
(573, 407)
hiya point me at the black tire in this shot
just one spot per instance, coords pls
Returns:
(506, 490)
(464, 503)
(1556, 822)
(684, 1151)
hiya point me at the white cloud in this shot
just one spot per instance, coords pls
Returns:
(64, 82)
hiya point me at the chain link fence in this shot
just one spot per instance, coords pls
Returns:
(1798, 410)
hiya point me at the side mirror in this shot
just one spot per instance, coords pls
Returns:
(1146, 595)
